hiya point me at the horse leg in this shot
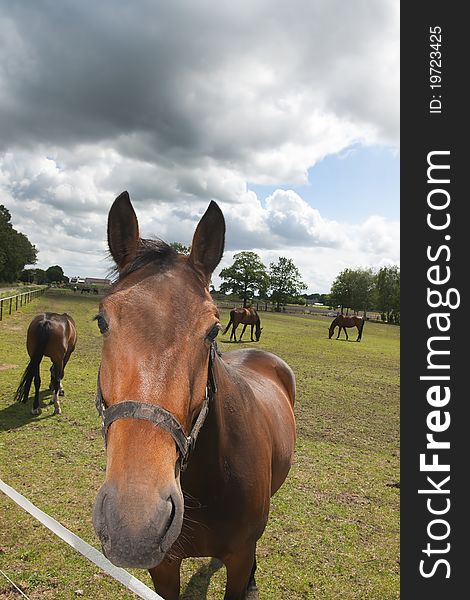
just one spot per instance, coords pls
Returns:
(61, 387)
(252, 589)
(241, 335)
(166, 579)
(346, 333)
(240, 573)
(57, 369)
(359, 336)
(252, 327)
(36, 410)
(234, 333)
(339, 332)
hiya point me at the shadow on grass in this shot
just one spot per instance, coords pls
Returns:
(239, 342)
(199, 583)
(18, 414)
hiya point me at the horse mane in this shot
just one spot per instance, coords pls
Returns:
(149, 251)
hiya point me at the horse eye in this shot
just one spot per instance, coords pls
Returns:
(102, 324)
(213, 332)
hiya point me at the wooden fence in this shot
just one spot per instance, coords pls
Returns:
(10, 303)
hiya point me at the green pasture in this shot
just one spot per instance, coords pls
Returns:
(333, 531)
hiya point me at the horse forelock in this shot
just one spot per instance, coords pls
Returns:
(155, 252)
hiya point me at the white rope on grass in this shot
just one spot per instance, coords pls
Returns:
(14, 585)
(89, 552)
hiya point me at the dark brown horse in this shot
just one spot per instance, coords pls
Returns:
(53, 335)
(162, 384)
(246, 316)
(343, 321)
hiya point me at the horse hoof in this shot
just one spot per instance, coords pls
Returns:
(61, 393)
(252, 593)
(36, 411)
(57, 411)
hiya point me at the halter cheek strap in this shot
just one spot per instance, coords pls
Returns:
(160, 417)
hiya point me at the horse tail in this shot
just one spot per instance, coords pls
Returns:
(44, 333)
(229, 323)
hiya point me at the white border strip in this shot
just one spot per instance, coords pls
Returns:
(131, 582)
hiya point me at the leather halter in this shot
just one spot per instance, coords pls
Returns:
(131, 409)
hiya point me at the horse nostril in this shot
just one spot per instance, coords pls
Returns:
(172, 515)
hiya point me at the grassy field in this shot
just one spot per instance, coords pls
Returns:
(333, 532)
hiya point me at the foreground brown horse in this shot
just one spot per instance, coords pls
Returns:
(343, 321)
(162, 384)
(247, 316)
(53, 335)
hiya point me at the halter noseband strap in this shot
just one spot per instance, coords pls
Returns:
(130, 409)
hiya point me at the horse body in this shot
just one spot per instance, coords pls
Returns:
(343, 321)
(233, 474)
(246, 316)
(53, 335)
(151, 511)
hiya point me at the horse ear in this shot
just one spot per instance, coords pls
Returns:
(123, 231)
(208, 242)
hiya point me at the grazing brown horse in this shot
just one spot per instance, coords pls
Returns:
(197, 442)
(247, 316)
(53, 335)
(343, 321)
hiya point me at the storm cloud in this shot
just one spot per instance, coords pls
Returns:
(184, 102)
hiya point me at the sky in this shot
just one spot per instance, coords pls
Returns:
(284, 113)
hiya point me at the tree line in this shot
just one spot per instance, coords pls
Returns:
(248, 279)
(358, 290)
(365, 289)
(16, 250)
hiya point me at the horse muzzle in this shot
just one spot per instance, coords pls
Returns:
(135, 531)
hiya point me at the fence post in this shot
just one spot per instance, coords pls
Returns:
(1, 309)
(11, 300)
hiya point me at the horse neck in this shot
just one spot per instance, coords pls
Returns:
(210, 443)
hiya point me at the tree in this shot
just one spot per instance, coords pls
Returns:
(353, 289)
(16, 250)
(33, 276)
(363, 283)
(341, 290)
(55, 273)
(388, 293)
(181, 248)
(285, 282)
(246, 276)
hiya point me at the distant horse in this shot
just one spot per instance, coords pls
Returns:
(343, 321)
(85, 290)
(53, 335)
(247, 316)
(197, 442)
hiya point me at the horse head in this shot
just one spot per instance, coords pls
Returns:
(158, 325)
